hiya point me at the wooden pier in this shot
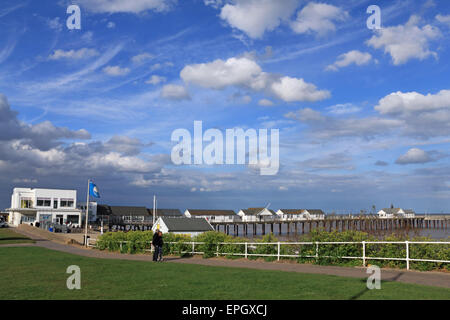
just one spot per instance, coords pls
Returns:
(246, 228)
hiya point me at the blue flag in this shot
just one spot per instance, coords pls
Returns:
(93, 190)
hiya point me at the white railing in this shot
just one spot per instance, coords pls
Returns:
(279, 255)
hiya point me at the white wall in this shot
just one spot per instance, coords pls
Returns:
(41, 211)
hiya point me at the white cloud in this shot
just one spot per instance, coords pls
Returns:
(409, 114)
(265, 103)
(244, 72)
(158, 66)
(425, 116)
(125, 145)
(406, 42)
(254, 17)
(43, 135)
(175, 92)
(319, 18)
(6, 52)
(120, 162)
(74, 54)
(55, 24)
(246, 99)
(352, 57)
(128, 6)
(413, 102)
(140, 58)
(77, 78)
(87, 36)
(293, 89)
(333, 161)
(220, 74)
(414, 156)
(325, 127)
(345, 108)
(213, 3)
(443, 19)
(429, 4)
(111, 25)
(116, 71)
(155, 80)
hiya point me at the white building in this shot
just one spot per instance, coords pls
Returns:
(185, 226)
(213, 215)
(396, 213)
(300, 214)
(43, 205)
(291, 214)
(257, 214)
(313, 214)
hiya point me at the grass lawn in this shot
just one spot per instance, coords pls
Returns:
(9, 236)
(38, 273)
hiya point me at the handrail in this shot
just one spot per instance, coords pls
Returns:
(317, 255)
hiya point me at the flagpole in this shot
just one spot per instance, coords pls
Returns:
(154, 208)
(87, 214)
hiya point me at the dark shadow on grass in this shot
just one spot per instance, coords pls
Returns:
(13, 238)
(358, 295)
(176, 258)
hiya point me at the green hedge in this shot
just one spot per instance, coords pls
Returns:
(329, 254)
(416, 251)
(137, 241)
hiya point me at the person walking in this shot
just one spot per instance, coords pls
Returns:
(157, 243)
(161, 243)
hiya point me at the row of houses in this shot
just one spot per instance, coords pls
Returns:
(127, 214)
(255, 214)
(60, 206)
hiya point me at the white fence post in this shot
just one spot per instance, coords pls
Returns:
(407, 255)
(246, 250)
(364, 253)
(120, 245)
(217, 250)
(193, 248)
(278, 255)
(317, 250)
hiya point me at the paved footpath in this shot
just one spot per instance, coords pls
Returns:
(439, 279)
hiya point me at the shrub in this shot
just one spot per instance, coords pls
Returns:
(180, 247)
(264, 249)
(213, 243)
(132, 241)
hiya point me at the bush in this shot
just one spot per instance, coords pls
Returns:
(132, 241)
(330, 254)
(264, 249)
(180, 247)
(213, 244)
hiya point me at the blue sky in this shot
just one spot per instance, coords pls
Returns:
(363, 114)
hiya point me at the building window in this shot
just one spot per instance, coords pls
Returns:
(45, 217)
(43, 202)
(26, 203)
(55, 203)
(72, 219)
(27, 219)
(66, 203)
